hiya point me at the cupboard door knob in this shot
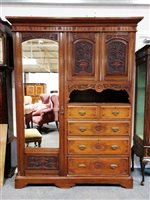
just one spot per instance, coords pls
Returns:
(82, 146)
(82, 129)
(82, 113)
(113, 166)
(115, 128)
(115, 112)
(82, 165)
(114, 147)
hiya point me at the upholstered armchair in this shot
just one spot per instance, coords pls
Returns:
(44, 112)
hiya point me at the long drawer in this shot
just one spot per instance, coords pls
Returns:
(103, 112)
(98, 128)
(97, 166)
(103, 146)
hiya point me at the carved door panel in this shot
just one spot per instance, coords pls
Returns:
(116, 50)
(82, 53)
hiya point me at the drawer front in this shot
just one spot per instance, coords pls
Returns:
(82, 112)
(115, 112)
(98, 128)
(98, 146)
(98, 166)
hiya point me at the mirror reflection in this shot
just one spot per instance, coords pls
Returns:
(41, 92)
(1, 50)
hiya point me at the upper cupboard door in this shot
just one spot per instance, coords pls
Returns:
(83, 56)
(116, 56)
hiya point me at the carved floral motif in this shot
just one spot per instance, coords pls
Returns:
(116, 57)
(99, 87)
(83, 59)
(42, 162)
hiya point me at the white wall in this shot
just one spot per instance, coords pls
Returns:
(50, 79)
(143, 29)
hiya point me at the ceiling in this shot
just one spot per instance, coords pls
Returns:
(40, 55)
(80, 2)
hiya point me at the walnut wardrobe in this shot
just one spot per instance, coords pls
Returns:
(96, 84)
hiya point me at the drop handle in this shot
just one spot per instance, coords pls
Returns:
(115, 112)
(82, 165)
(115, 128)
(82, 147)
(82, 129)
(114, 147)
(113, 166)
(62, 110)
(82, 113)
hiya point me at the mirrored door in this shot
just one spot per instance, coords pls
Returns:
(40, 61)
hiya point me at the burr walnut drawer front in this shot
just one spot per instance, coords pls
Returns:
(83, 112)
(113, 146)
(115, 112)
(98, 128)
(97, 166)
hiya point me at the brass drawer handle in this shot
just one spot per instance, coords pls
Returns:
(82, 129)
(82, 146)
(82, 165)
(82, 112)
(114, 147)
(115, 112)
(113, 166)
(115, 128)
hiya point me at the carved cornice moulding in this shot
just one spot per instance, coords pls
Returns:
(72, 29)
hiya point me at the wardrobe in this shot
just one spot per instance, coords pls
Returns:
(6, 102)
(96, 93)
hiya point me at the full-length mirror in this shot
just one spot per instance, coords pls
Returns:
(1, 49)
(41, 92)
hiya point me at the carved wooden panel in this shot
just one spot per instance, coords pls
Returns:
(116, 57)
(42, 162)
(116, 54)
(29, 35)
(99, 87)
(82, 54)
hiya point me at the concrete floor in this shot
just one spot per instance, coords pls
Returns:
(84, 192)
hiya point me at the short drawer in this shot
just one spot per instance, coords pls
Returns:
(98, 128)
(82, 112)
(115, 112)
(98, 166)
(103, 146)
